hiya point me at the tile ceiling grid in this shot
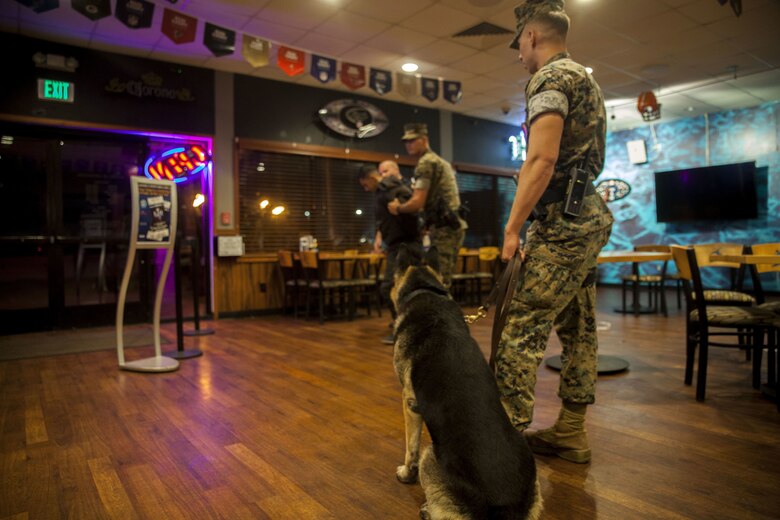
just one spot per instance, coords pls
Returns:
(684, 50)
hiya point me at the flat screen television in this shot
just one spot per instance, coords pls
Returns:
(726, 192)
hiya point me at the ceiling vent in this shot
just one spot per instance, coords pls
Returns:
(483, 29)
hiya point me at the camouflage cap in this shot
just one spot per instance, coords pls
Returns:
(527, 10)
(414, 131)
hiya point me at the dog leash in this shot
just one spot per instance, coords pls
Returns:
(502, 293)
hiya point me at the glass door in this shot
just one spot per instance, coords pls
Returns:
(64, 226)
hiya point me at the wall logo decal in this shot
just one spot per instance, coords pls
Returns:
(354, 118)
(613, 189)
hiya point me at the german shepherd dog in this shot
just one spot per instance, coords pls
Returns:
(479, 466)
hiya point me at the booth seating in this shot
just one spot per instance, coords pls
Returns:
(705, 320)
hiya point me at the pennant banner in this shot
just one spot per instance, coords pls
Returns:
(452, 91)
(180, 28)
(380, 81)
(430, 88)
(219, 41)
(40, 6)
(353, 76)
(136, 14)
(92, 9)
(407, 84)
(255, 51)
(291, 61)
(322, 68)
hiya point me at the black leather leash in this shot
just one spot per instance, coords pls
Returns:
(501, 295)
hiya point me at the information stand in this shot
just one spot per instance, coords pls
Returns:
(154, 214)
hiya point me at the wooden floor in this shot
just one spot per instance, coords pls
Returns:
(284, 418)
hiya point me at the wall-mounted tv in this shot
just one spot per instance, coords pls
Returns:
(726, 192)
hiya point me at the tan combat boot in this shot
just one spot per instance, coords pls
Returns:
(567, 438)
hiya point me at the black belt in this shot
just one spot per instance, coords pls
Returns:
(558, 193)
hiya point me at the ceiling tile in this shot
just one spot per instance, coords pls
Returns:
(369, 56)
(324, 45)
(706, 11)
(723, 96)
(391, 12)
(481, 63)
(277, 33)
(443, 51)
(401, 40)
(440, 20)
(301, 14)
(351, 27)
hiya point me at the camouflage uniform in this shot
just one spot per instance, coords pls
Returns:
(437, 176)
(560, 251)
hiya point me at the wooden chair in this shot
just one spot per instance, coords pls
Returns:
(773, 307)
(731, 296)
(294, 283)
(488, 270)
(462, 277)
(655, 281)
(319, 285)
(363, 275)
(702, 317)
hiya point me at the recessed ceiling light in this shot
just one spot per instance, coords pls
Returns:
(589, 70)
(409, 67)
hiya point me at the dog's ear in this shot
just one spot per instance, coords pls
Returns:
(404, 258)
(432, 259)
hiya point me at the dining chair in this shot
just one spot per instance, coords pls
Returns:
(702, 317)
(462, 277)
(293, 282)
(732, 296)
(487, 269)
(655, 280)
(773, 306)
(319, 285)
(363, 275)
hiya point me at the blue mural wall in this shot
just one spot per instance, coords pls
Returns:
(751, 134)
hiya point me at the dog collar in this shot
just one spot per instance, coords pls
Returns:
(416, 292)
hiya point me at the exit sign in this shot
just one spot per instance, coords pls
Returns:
(53, 90)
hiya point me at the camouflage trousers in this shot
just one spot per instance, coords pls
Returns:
(550, 294)
(448, 242)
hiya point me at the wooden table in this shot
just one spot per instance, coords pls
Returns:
(635, 257)
(615, 364)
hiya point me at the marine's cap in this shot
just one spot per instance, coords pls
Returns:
(414, 131)
(527, 10)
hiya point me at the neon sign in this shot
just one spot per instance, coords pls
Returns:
(177, 164)
(519, 144)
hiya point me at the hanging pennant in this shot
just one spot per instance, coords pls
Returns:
(180, 28)
(92, 9)
(255, 50)
(322, 68)
(40, 6)
(430, 88)
(452, 91)
(218, 40)
(380, 81)
(291, 61)
(136, 14)
(353, 76)
(407, 84)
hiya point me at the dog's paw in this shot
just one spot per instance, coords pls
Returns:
(424, 515)
(406, 474)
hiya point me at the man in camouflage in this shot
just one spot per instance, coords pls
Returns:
(567, 126)
(435, 193)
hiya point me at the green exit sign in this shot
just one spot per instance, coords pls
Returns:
(53, 90)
